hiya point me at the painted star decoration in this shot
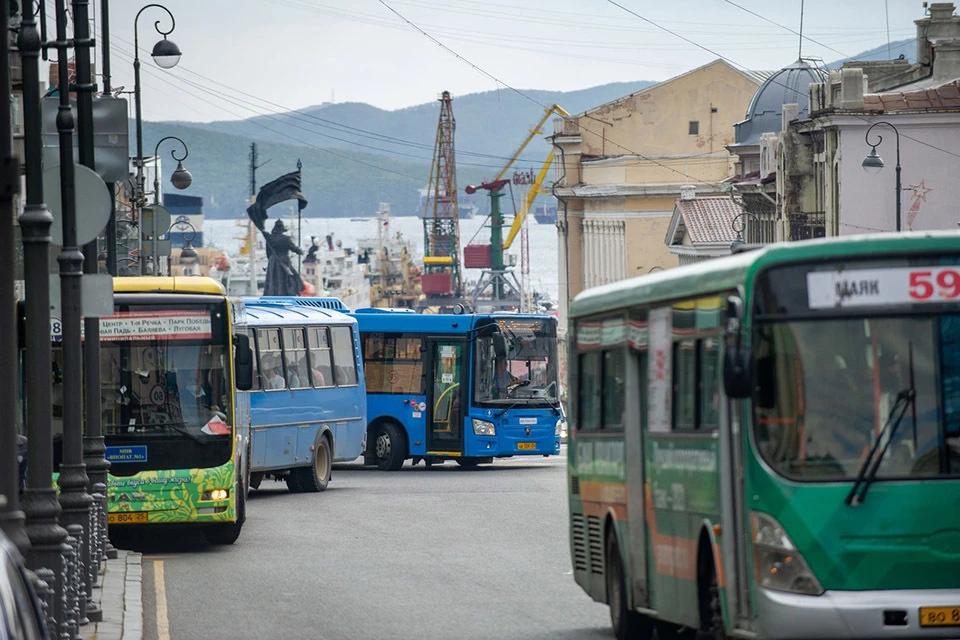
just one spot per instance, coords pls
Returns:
(920, 191)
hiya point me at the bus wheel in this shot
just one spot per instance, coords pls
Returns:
(390, 447)
(626, 624)
(255, 480)
(316, 477)
(711, 613)
(468, 463)
(228, 532)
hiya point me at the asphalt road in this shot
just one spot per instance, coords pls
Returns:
(419, 553)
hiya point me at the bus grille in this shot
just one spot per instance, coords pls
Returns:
(595, 534)
(579, 544)
(321, 303)
(575, 485)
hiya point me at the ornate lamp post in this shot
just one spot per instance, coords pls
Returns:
(40, 498)
(166, 54)
(189, 255)
(738, 242)
(873, 163)
(181, 179)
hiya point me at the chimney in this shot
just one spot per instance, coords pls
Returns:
(851, 89)
(688, 192)
(940, 24)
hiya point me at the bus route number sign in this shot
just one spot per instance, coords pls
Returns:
(873, 287)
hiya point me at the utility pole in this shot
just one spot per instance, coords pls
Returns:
(11, 518)
(94, 449)
(40, 503)
(74, 499)
(252, 288)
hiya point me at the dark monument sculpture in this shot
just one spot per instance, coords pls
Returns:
(282, 278)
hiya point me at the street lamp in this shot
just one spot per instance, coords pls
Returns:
(166, 54)
(873, 163)
(181, 179)
(738, 242)
(188, 255)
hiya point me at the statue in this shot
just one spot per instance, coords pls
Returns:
(282, 279)
(312, 251)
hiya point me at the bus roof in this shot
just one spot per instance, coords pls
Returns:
(161, 284)
(718, 274)
(402, 321)
(282, 311)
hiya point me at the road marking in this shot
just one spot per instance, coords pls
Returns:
(163, 625)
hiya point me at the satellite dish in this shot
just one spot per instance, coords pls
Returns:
(92, 198)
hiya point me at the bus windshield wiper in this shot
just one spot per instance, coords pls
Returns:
(173, 426)
(868, 470)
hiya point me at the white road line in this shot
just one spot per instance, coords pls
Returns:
(163, 625)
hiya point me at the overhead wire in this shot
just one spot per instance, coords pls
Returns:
(534, 100)
(771, 80)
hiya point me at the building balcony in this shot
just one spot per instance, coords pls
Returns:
(807, 225)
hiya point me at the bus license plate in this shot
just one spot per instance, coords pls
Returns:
(526, 445)
(940, 616)
(129, 517)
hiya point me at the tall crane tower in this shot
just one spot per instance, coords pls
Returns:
(440, 282)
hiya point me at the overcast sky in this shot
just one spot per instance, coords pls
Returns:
(249, 57)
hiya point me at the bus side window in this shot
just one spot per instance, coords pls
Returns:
(268, 347)
(590, 396)
(343, 355)
(322, 368)
(295, 358)
(685, 384)
(709, 358)
(614, 371)
(257, 383)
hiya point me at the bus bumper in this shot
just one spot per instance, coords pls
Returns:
(852, 614)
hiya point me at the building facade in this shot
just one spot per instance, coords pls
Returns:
(620, 168)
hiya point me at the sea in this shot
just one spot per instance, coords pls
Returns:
(227, 235)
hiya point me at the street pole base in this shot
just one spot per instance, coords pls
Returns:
(94, 613)
(111, 552)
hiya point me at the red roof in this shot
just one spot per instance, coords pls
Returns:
(709, 219)
(945, 96)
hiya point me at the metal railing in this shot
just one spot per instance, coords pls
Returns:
(805, 225)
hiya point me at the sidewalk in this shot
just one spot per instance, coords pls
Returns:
(119, 596)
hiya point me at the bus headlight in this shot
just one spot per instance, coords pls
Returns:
(215, 494)
(558, 430)
(483, 428)
(776, 562)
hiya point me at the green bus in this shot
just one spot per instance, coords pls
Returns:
(767, 445)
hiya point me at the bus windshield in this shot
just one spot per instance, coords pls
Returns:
(825, 389)
(526, 374)
(164, 379)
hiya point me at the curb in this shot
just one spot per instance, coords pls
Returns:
(119, 595)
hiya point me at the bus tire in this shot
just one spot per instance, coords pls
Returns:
(468, 463)
(228, 532)
(627, 624)
(389, 446)
(316, 477)
(711, 612)
(255, 480)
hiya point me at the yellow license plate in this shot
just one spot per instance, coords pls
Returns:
(940, 616)
(129, 517)
(526, 445)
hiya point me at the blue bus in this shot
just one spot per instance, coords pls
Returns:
(469, 388)
(308, 404)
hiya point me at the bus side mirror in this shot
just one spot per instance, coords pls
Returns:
(736, 356)
(499, 345)
(243, 365)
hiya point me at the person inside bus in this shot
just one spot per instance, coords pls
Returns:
(274, 374)
(502, 378)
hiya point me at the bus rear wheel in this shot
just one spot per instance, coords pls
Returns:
(316, 477)
(228, 532)
(627, 624)
(390, 447)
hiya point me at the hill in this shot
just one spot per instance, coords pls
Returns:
(364, 171)
(355, 155)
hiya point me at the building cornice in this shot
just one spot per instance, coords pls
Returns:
(625, 190)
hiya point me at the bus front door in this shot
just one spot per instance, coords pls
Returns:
(444, 390)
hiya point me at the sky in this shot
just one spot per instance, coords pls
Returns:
(243, 58)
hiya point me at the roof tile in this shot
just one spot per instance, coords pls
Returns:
(709, 219)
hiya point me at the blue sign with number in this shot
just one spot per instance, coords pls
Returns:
(127, 454)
